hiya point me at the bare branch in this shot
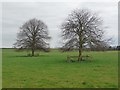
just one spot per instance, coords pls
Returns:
(33, 35)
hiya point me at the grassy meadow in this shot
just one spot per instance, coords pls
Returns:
(50, 70)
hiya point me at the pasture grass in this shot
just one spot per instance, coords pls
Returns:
(50, 70)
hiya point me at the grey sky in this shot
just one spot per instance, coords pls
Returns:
(53, 14)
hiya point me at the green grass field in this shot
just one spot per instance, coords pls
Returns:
(50, 70)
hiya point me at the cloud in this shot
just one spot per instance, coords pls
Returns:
(53, 14)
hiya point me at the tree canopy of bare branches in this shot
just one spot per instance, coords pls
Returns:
(33, 35)
(83, 29)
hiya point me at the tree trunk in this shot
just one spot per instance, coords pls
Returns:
(80, 54)
(32, 52)
(33, 45)
(80, 47)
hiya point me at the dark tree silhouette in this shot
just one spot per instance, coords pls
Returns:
(33, 35)
(82, 29)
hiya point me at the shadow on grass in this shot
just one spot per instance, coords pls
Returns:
(30, 56)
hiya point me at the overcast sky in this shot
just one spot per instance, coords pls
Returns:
(14, 14)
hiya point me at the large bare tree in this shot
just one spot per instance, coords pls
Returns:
(82, 29)
(33, 35)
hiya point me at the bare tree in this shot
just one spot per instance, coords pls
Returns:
(82, 29)
(33, 35)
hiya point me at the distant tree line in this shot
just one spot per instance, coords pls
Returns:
(110, 48)
(118, 47)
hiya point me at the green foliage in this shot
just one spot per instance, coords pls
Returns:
(50, 70)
